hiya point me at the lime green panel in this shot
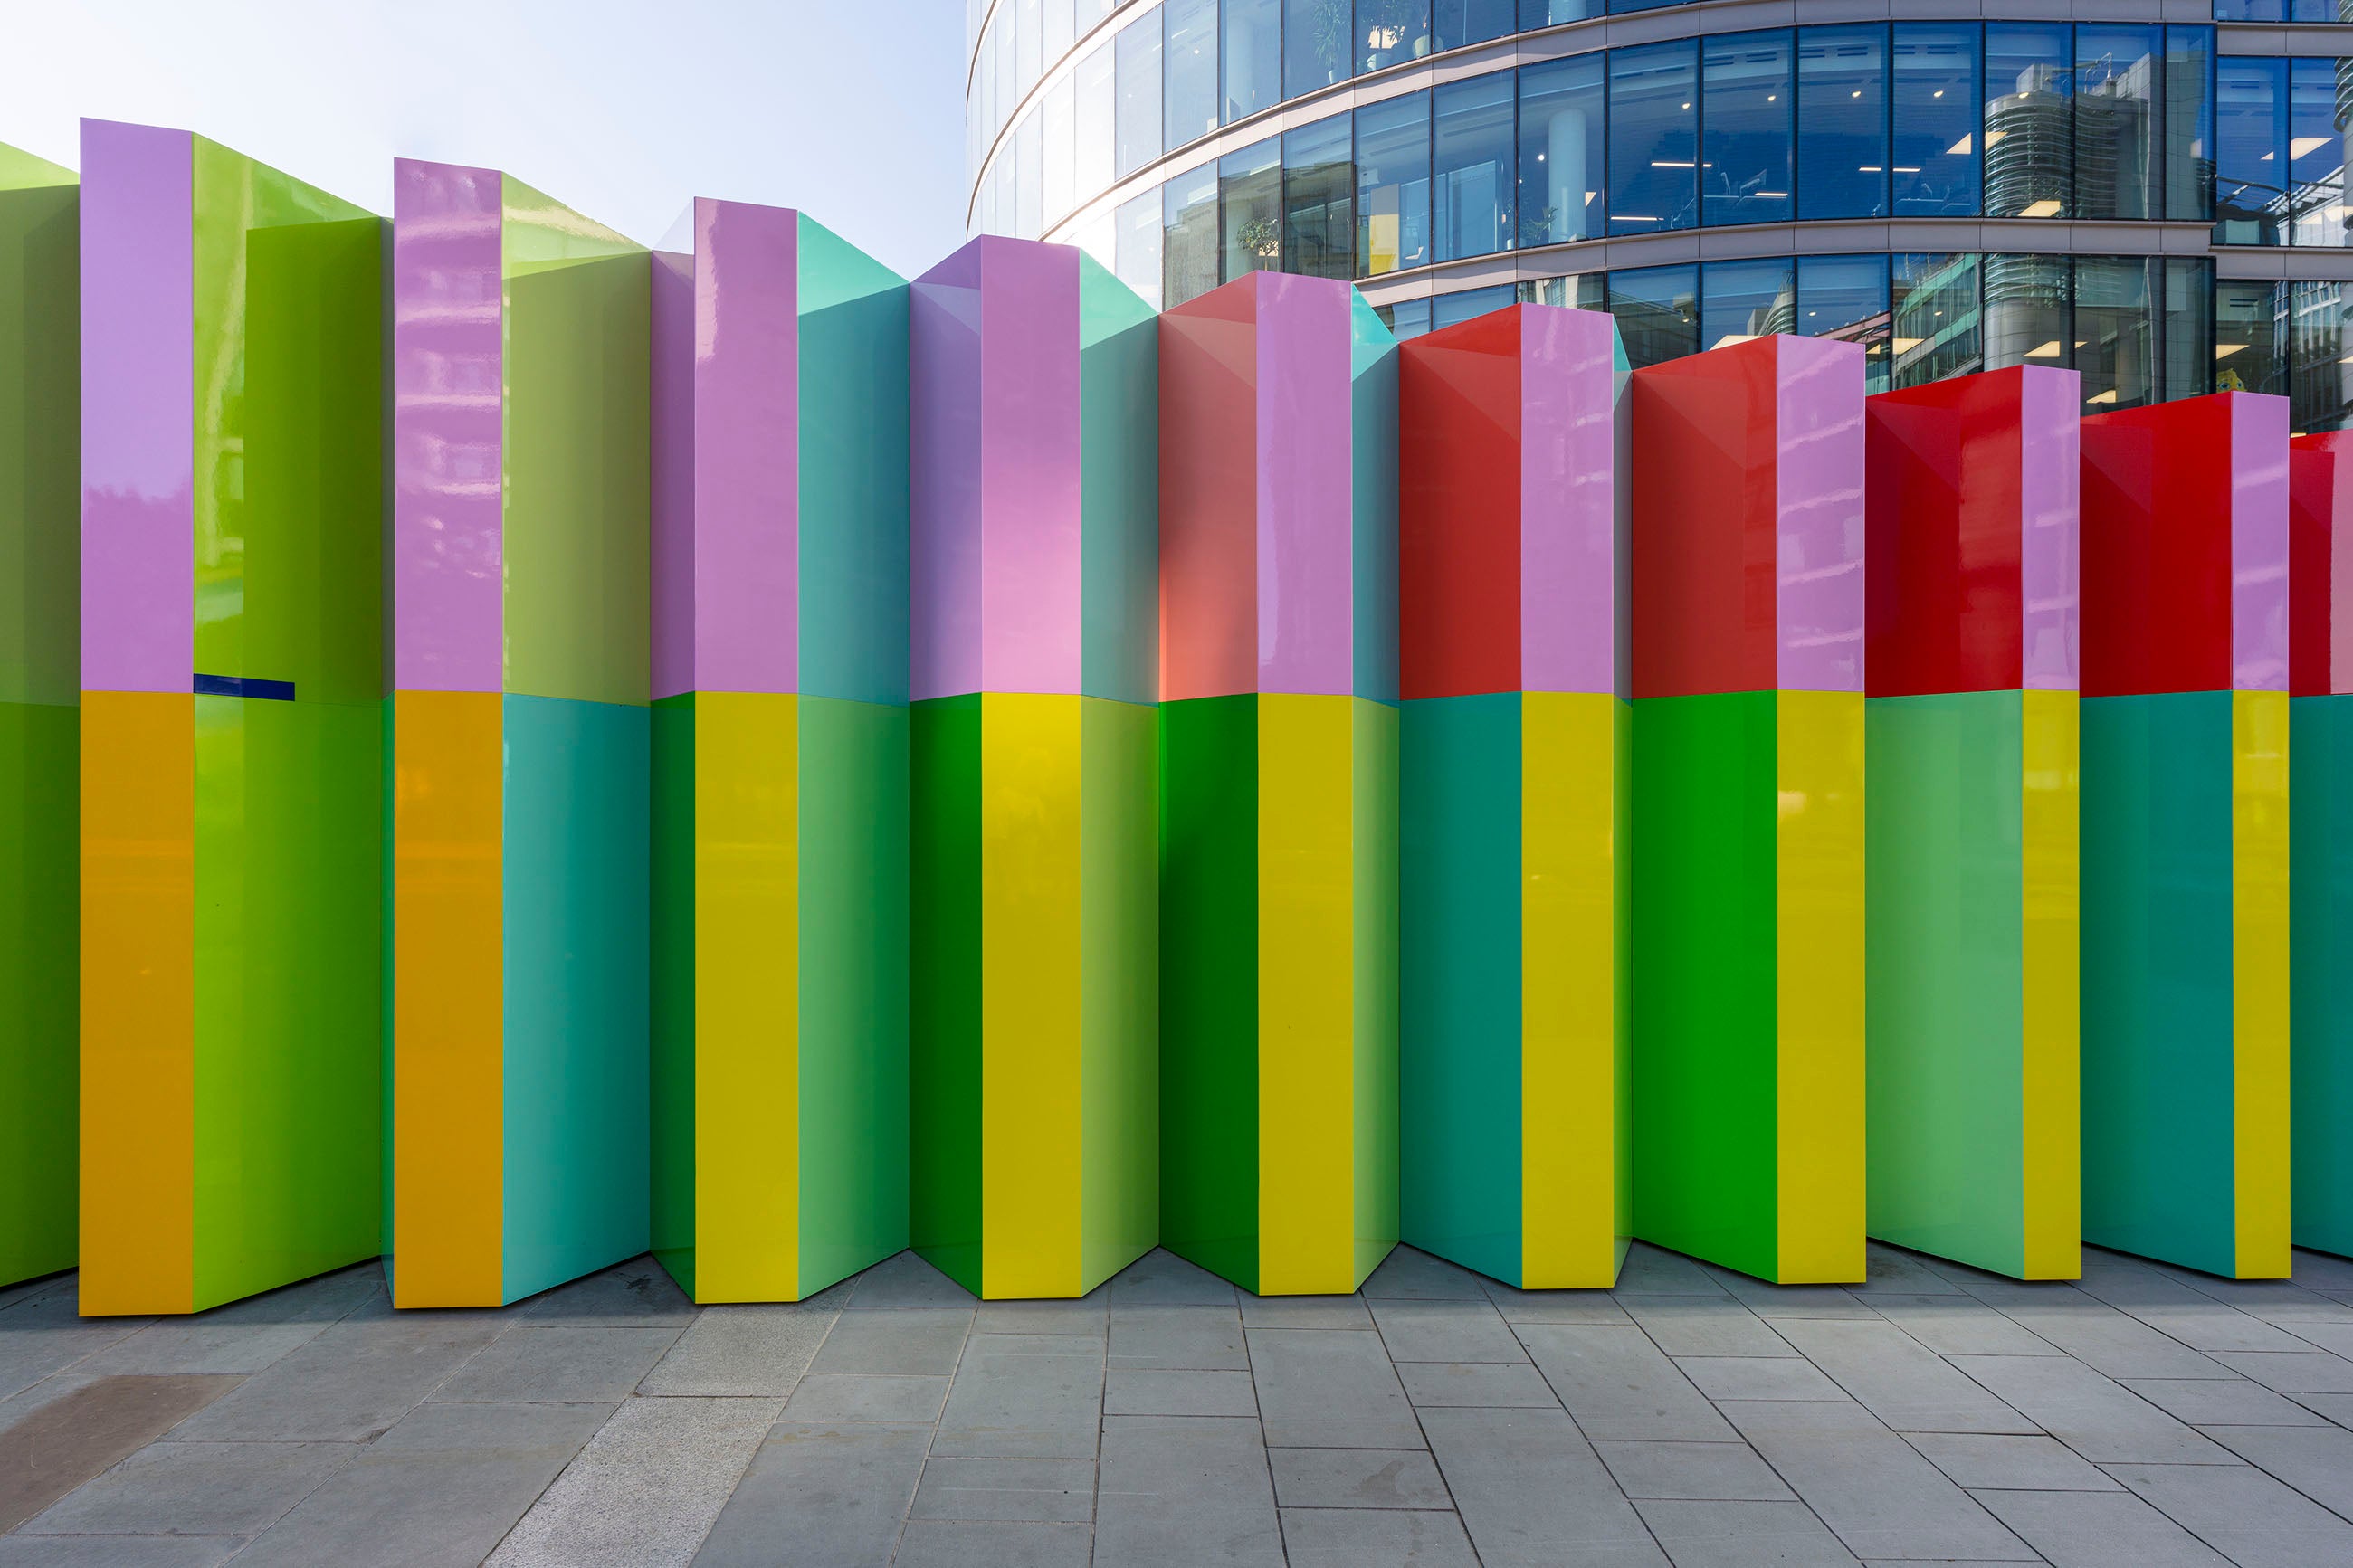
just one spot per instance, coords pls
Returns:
(1119, 998)
(21, 171)
(1946, 974)
(539, 232)
(671, 993)
(40, 867)
(40, 444)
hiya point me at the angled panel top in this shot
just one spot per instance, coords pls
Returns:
(2320, 546)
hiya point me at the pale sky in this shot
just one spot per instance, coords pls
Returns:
(850, 109)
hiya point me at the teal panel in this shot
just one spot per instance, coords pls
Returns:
(574, 824)
(1458, 990)
(1373, 501)
(943, 980)
(2157, 1167)
(1119, 490)
(670, 996)
(1945, 979)
(2320, 758)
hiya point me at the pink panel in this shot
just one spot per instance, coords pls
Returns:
(1569, 614)
(2258, 544)
(2050, 474)
(1305, 519)
(1029, 564)
(1819, 553)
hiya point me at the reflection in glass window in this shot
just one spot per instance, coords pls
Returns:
(1007, 89)
(1091, 12)
(1745, 152)
(1842, 104)
(1617, 6)
(1657, 309)
(1552, 14)
(1845, 297)
(1061, 17)
(1391, 32)
(1139, 93)
(2189, 124)
(1028, 43)
(1189, 236)
(2247, 346)
(2185, 330)
(2249, 151)
(1460, 22)
(2030, 139)
(1653, 137)
(1099, 238)
(1470, 161)
(1251, 57)
(1393, 184)
(2251, 10)
(1316, 45)
(984, 208)
(1936, 95)
(2026, 310)
(1319, 200)
(1563, 166)
(2316, 321)
(1582, 291)
(1097, 116)
(1062, 151)
(2116, 173)
(1250, 209)
(1936, 316)
(1030, 179)
(1464, 304)
(1190, 58)
(2116, 332)
(1745, 300)
(1406, 319)
(2316, 154)
(1004, 177)
(1136, 240)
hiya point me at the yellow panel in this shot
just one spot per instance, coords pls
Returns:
(1572, 1000)
(2050, 929)
(2259, 980)
(1818, 908)
(1030, 995)
(1306, 1038)
(448, 1045)
(138, 1002)
(746, 996)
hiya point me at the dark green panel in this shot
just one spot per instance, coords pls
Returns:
(672, 994)
(944, 986)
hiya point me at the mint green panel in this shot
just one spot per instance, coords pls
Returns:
(1119, 488)
(2320, 755)
(853, 986)
(288, 1111)
(1945, 978)
(1119, 996)
(672, 997)
(2158, 1175)
(575, 825)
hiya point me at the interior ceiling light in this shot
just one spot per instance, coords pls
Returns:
(2047, 207)
(1730, 337)
(2303, 145)
(2224, 351)
(2044, 351)
(1906, 345)
(1959, 147)
(2107, 396)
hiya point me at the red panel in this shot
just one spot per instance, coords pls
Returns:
(2157, 548)
(1459, 508)
(2320, 501)
(1705, 507)
(1944, 538)
(1208, 497)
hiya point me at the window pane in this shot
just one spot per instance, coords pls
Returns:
(1319, 201)
(1552, 12)
(1007, 91)
(1009, 189)
(2026, 300)
(1460, 22)
(1657, 309)
(1252, 57)
(1845, 297)
(1471, 165)
(1842, 104)
(1091, 12)
(1099, 238)
(1062, 151)
(2249, 151)
(1744, 155)
(1139, 93)
(1584, 292)
(984, 208)
(2312, 10)
(1391, 32)
(1189, 236)
(2116, 172)
(1393, 184)
(1191, 101)
(1562, 166)
(1406, 319)
(1936, 327)
(1098, 107)
(1136, 241)
(1743, 300)
(1249, 201)
(1316, 36)
(2318, 327)
(1030, 179)
(2186, 330)
(1062, 16)
(2315, 151)
(1653, 137)
(2251, 10)
(2029, 155)
(1029, 40)
(1618, 6)
(1936, 117)
(2190, 123)
(1446, 310)
(2248, 351)
(2116, 332)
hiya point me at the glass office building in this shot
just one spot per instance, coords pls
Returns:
(2157, 203)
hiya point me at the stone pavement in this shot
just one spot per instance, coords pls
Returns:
(2148, 1418)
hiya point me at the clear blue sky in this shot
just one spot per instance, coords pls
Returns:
(850, 110)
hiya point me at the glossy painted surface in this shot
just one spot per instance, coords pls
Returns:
(2320, 621)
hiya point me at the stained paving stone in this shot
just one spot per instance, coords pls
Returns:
(1533, 1493)
(1556, 1306)
(1357, 1478)
(1029, 1396)
(45, 1335)
(350, 1384)
(1161, 1278)
(905, 1281)
(1742, 1534)
(1650, 1270)
(1408, 1273)
(922, 1342)
(639, 1292)
(100, 1423)
(1769, 1300)
(194, 1489)
(850, 1396)
(1329, 1388)
(1351, 1538)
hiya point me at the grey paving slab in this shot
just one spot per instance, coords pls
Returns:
(1703, 1325)
(2281, 1301)
(853, 1396)
(756, 1351)
(2096, 1417)
(1161, 1278)
(1899, 1379)
(1769, 1300)
(1090, 1314)
(1874, 1491)
(1031, 1396)
(2254, 1519)
(639, 1292)
(646, 1489)
(1137, 1391)
(1976, 1460)
(1960, 1324)
(2315, 1460)
(2314, 1334)
(819, 1495)
(903, 1280)
(1176, 1491)
(2210, 1402)
(1480, 1385)
(2097, 1335)
(1355, 1537)
(350, 1384)
(920, 1342)
(438, 1490)
(1556, 1306)
(565, 1365)
(1711, 1472)
(1652, 1270)
(2321, 1270)
(2180, 1312)
(194, 1489)
(973, 1544)
(2098, 1529)
(1305, 1313)
(1410, 1274)
(1357, 1478)
(117, 1551)
(1532, 1493)
(1329, 1388)
(1744, 1535)
(1456, 1329)
(1180, 1338)
(209, 1343)
(1890, 1268)
(49, 1451)
(2335, 1407)
(1036, 1492)
(1617, 1383)
(2288, 1372)
(45, 1335)
(1759, 1377)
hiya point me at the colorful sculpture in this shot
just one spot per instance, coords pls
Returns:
(2320, 881)
(1514, 798)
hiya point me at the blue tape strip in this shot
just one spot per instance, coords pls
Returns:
(244, 686)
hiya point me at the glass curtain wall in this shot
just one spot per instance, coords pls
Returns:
(1135, 244)
(1471, 166)
(1393, 186)
(1139, 93)
(2118, 72)
(1842, 104)
(1316, 45)
(1098, 112)
(1845, 297)
(1936, 316)
(1457, 23)
(1657, 309)
(1250, 63)
(1319, 200)
(2190, 123)
(2316, 152)
(2029, 137)
(1653, 137)
(1189, 236)
(1250, 208)
(1748, 94)
(1189, 53)
(1564, 167)
(1939, 87)
(1745, 300)
(1391, 32)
